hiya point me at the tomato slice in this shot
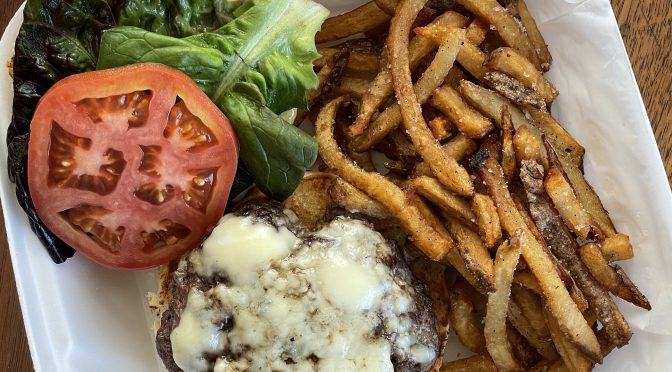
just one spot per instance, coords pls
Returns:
(131, 166)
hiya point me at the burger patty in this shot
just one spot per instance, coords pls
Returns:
(262, 293)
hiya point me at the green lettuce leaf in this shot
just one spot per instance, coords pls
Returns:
(254, 68)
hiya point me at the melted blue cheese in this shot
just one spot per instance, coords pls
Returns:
(296, 305)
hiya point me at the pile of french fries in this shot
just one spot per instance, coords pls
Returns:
(479, 176)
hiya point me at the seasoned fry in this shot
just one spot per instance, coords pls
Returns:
(496, 339)
(472, 59)
(528, 280)
(432, 78)
(534, 34)
(514, 64)
(359, 61)
(525, 354)
(441, 128)
(559, 301)
(487, 219)
(514, 90)
(505, 24)
(455, 75)
(453, 205)
(570, 208)
(350, 198)
(362, 19)
(508, 153)
(381, 87)
(311, 198)
(480, 363)
(561, 140)
(463, 116)
(542, 344)
(458, 147)
(531, 307)
(354, 87)
(388, 6)
(529, 147)
(617, 248)
(563, 245)
(476, 31)
(574, 359)
(463, 321)
(490, 103)
(612, 278)
(474, 254)
(431, 242)
(446, 169)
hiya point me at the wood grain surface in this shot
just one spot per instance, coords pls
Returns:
(646, 26)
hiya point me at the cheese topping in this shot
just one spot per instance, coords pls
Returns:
(326, 302)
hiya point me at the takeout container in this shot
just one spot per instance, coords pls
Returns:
(82, 317)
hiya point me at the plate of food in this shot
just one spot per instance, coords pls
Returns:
(398, 186)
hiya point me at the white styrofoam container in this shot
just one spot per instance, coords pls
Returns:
(82, 317)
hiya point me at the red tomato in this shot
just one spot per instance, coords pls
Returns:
(131, 166)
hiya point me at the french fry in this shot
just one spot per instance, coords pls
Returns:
(350, 198)
(480, 363)
(446, 169)
(570, 208)
(574, 359)
(528, 146)
(453, 205)
(525, 354)
(474, 254)
(388, 6)
(612, 278)
(472, 59)
(534, 34)
(476, 31)
(563, 245)
(354, 87)
(617, 248)
(463, 321)
(381, 87)
(561, 140)
(513, 90)
(441, 128)
(558, 298)
(506, 26)
(542, 344)
(490, 103)
(531, 307)
(508, 153)
(362, 19)
(496, 340)
(516, 65)
(455, 75)
(550, 366)
(311, 198)
(464, 117)
(528, 280)
(359, 61)
(458, 147)
(487, 219)
(431, 242)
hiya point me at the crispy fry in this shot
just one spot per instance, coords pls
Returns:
(311, 198)
(559, 301)
(574, 359)
(612, 278)
(541, 343)
(476, 31)
(458, 147)
(388, 6)
(354, 87)
(563, 245)
(534, 34)
(561, 140)
(455, 75)
(617, 248)
(432, 78)
(496, 339)
(381, 87)
(487, 219)
(529, 147)
(528, 280)
(504, 23)
(570, 209)
(441, 128)
(463, 116)
(362, 19)
(474, 254)
(472, 59)
(508, 153)
(513, 90)
(531, 306)
(446, 169)
(480, 363)
(464, 323)
(453, 205)
(359, 61)
(350, 198)
(525, 354)
(516, 65)
(431, 242)
(490, 103)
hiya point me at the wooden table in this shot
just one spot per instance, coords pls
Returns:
(646, 26)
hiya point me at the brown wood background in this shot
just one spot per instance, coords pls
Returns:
(646, 27)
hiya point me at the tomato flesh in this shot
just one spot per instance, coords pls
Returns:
(132, 166)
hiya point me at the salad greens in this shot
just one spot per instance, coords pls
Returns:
(252, 57)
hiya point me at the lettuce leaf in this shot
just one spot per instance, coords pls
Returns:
(254, 68)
